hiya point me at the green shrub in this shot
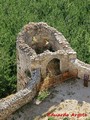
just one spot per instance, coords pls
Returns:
(42, 95)
(51, 118)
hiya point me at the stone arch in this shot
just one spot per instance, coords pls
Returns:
(53, 67)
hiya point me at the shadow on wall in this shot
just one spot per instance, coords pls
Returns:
(41, 45)
(53, 67)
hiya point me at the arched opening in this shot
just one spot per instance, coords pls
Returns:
(53, 67)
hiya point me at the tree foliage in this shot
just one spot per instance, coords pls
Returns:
(71, 17)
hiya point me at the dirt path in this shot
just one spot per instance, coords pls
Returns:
(66, 99)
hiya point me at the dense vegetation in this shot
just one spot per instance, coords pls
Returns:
(71, 17)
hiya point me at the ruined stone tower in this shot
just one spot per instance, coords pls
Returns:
(40, 46)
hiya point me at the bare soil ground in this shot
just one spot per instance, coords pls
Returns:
(70, 98)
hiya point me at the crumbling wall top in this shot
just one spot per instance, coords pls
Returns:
(34, 35)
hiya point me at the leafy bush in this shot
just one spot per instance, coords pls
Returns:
(87, 118)
(51, 118)
(65, 118)
(42, 95)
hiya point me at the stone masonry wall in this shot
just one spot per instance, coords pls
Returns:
(41, 61)
(82, 68)
(13, 102)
